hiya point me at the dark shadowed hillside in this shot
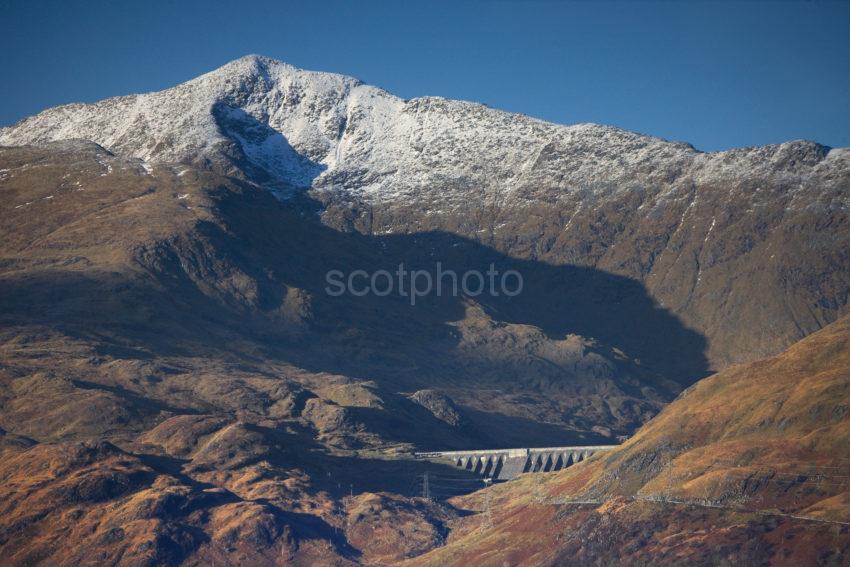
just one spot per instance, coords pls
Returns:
(213, 271)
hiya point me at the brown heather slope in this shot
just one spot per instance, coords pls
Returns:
(750, 466)
(138, 423)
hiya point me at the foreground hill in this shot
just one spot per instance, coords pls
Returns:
(748, 466)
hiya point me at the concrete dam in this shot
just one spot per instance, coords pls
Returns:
(505, 464)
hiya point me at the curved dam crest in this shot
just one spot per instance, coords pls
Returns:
(507, 464)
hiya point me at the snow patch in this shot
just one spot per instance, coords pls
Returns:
(710, 229)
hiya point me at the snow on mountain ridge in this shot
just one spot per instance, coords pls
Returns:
(293, 129)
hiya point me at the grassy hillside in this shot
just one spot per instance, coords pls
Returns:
(749, 465)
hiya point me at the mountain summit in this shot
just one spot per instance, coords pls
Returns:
(297, 129)
(293, 129)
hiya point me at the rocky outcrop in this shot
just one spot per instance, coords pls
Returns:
(440, 405)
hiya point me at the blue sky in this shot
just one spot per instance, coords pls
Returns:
(716, 74)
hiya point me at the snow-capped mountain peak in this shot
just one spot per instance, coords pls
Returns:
(292, 129)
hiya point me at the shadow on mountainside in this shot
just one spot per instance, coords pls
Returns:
(281, 246)
(263, 153)
(256, 276)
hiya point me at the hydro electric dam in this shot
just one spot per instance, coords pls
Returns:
(505, 464)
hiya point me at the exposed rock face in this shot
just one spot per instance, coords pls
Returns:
(440, 405)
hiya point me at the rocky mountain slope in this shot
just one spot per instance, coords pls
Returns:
(686, 224)
(748, 466)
